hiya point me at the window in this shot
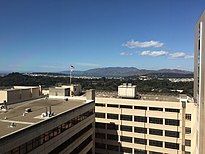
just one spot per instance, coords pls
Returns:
(112, 147)
(112, 126)
(171, 145)
(126, 150)
(126, 139)
(156, 108)
(126, 117)
(156, 143)
(140, 119)
(172, 122)
(112, 105)
(100, 135)
(140, 130)
(100, 104)
(171, 133)
(112, 137)
(99, 145)
(172, 110)
(188, 143)
(99, 115)
(156, 132)
(187, 130)
(188, 117)
(153, 152)
(140, 107)
(140, 141)
(155, 120)
(126, 128)
(112, 116)
(139, 151)
(126, 106)
(100, 125)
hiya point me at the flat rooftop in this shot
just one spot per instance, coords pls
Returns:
(15, 113)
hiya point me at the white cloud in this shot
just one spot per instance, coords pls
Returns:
(180, 55)
(146, 44)
(153, 53)
(126, 54)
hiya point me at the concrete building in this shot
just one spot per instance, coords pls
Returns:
(65, 91)
(127, 90)
(48, 126)
(20, 93)
(145, 126)
(199, 80)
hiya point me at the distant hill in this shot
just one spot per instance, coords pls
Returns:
(127, 71)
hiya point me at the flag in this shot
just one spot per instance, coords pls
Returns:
(71, 68)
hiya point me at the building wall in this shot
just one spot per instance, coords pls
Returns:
(3, 96)
(132, 120)
(60, 134)
(199, 76)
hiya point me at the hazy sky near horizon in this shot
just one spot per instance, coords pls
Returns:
(51, 35)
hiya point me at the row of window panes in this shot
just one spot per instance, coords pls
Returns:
(138, 107)
(153, 120)
(139, 130)
(38, 141)
(144, 142)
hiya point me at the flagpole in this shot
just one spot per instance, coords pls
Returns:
(70, 75)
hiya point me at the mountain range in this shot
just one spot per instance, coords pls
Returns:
(126, 71)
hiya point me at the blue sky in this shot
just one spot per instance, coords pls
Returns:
(51, 35)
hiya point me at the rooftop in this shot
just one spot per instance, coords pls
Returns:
(15, 113)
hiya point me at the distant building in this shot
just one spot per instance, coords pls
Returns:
(199, 80)
(145, 126)
(20, 93)
(65, 91)
(48, 126)
(127, 90)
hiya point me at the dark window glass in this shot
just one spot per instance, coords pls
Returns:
(172, 133)
(126, 139)
(139, 151)
(112, 137)
(126, 106)
(141, 107)
(126, 150)
(126, 117)
(156, 143)
(125, 128)
(156, 132)
(99, 115)
(99, 104)
(187, 130)
(172, 122)
(172, 110)
(112, 116)
(188, 117)
(100, 135)
(112, 147)
(140, 141)
(100, 125)
(188, 143)
(155, 120)
(112, 105)
(140, 119)
(112, 126)
(171, 145)
(140, 130)
(99, 145)
(155, 108)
